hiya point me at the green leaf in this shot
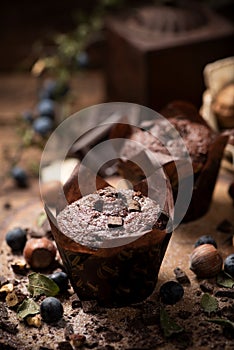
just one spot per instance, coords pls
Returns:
(209, 303)
(41, 285)
(223, 322)
(28, 307)
(27, 138)
(169, 326)
(224, 280)
(41, 219)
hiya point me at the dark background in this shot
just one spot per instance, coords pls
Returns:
(25, 24)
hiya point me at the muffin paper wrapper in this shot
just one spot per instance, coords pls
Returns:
(122, 271)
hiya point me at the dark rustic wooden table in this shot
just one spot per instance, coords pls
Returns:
(17, 93)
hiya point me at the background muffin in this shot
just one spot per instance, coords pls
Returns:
(204, 146)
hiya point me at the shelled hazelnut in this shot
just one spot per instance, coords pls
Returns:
(34, 320)
(206, 261)
(39, 253)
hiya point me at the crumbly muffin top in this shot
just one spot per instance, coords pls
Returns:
(107, 214)
(159, 137)
(197, 137)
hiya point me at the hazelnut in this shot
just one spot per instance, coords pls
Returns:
(205, 261)
(39, 253)
(12, 299)
(34, 320)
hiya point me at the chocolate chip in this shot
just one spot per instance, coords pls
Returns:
(181, 276)
(75, 301)
(115, 221)
(98, 205)
(206, 287)
(134, 205)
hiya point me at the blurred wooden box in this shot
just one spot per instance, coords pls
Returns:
(158, 54)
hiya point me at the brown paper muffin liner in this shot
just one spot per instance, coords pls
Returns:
(120, 275)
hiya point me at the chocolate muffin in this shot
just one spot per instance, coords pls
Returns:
(204, 146)
(112, 243)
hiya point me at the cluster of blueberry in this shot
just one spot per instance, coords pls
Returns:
(43, 119)
(51, 309)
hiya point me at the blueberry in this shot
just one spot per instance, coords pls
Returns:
(20, 176)
(82, 59)
(48, 90)
(51, 310)
(171, 292)
(61, 279)
(206, 239)
(16, 238)
(43, 125)
(46, 108)
(53, 90)
(229, 265)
